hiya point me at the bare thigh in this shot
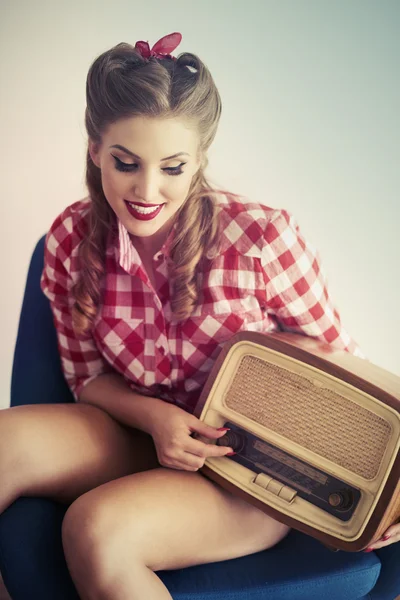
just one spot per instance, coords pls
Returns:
(166, 519)
(64, 450)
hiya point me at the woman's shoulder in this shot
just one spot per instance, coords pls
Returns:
(70, 226)
(67, 231)
(246, 221)
(242, 209)
(73, 218)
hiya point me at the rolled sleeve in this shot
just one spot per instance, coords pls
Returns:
(81, 360)
(296, 286)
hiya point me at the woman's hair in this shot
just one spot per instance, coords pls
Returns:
(122, 84)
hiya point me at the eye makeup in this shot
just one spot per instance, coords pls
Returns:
(131, 168)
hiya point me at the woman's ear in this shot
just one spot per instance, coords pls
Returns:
(94, 149)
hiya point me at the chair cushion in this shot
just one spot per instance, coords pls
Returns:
(298, 568)
(32, 561)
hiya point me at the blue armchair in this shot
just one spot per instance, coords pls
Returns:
(31, 554)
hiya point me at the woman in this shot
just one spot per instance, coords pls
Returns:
(147, 277)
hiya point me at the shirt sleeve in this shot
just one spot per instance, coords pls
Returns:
(296, 286)
(81, 360)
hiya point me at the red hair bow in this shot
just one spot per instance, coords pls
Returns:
(162, 48)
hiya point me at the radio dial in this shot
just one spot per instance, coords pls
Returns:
(342, 499)
(234, 440)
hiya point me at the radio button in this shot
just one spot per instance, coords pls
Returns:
(262, 480)
(275, 486)
(287, 493)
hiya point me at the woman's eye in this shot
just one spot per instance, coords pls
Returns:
(125, 167)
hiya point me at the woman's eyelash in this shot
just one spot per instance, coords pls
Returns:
(121, 166)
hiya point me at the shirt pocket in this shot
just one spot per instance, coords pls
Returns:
(120, 335)
(214, 329)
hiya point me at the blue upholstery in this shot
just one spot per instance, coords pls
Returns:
(31, 556)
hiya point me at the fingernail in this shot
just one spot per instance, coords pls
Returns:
(230, 453)
(368, 550)
(385, 537)
(223, 429)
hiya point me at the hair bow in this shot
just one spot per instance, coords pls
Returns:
(162, 48)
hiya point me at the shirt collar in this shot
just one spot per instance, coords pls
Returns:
(128, 255)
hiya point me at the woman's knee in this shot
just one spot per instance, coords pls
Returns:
(92, 544)
(14, 468)
(80, 540)
(94, 526)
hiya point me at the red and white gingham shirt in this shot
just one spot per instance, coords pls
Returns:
(265, 278)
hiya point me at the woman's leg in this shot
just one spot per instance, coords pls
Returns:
(117, 535)
(61, 451)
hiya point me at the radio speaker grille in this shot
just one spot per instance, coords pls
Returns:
(291, 405)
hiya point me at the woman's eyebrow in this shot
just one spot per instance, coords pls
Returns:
(138, 157)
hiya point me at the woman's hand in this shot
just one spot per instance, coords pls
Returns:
(391, 535)
(171, 431)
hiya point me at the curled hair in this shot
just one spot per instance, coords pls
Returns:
(122, 84)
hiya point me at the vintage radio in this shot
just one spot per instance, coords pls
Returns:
(316, 434)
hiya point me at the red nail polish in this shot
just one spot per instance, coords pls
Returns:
(385, 537)
(223, 429)
(368, 550)
(230, 454)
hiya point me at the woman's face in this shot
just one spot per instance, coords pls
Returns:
(141, 170)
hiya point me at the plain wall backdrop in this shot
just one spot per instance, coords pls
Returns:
(310, 123)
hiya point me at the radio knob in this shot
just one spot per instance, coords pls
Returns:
(342, 499)
(335, 499)
(233, 439)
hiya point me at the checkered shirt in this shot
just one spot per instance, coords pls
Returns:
(266, 277)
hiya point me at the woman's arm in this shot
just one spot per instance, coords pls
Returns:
(81, 360)
(170, 426)
(296, 286)
(113, 394)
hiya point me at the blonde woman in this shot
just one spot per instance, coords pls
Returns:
(147, 277)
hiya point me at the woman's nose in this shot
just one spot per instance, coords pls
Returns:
(147, 188)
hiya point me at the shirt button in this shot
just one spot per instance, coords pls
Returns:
(161, 349)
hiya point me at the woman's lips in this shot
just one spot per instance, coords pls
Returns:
(144, 205)
(140, 216)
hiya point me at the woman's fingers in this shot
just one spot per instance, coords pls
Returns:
(204, 450)
(193, 456)
(185, 462)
